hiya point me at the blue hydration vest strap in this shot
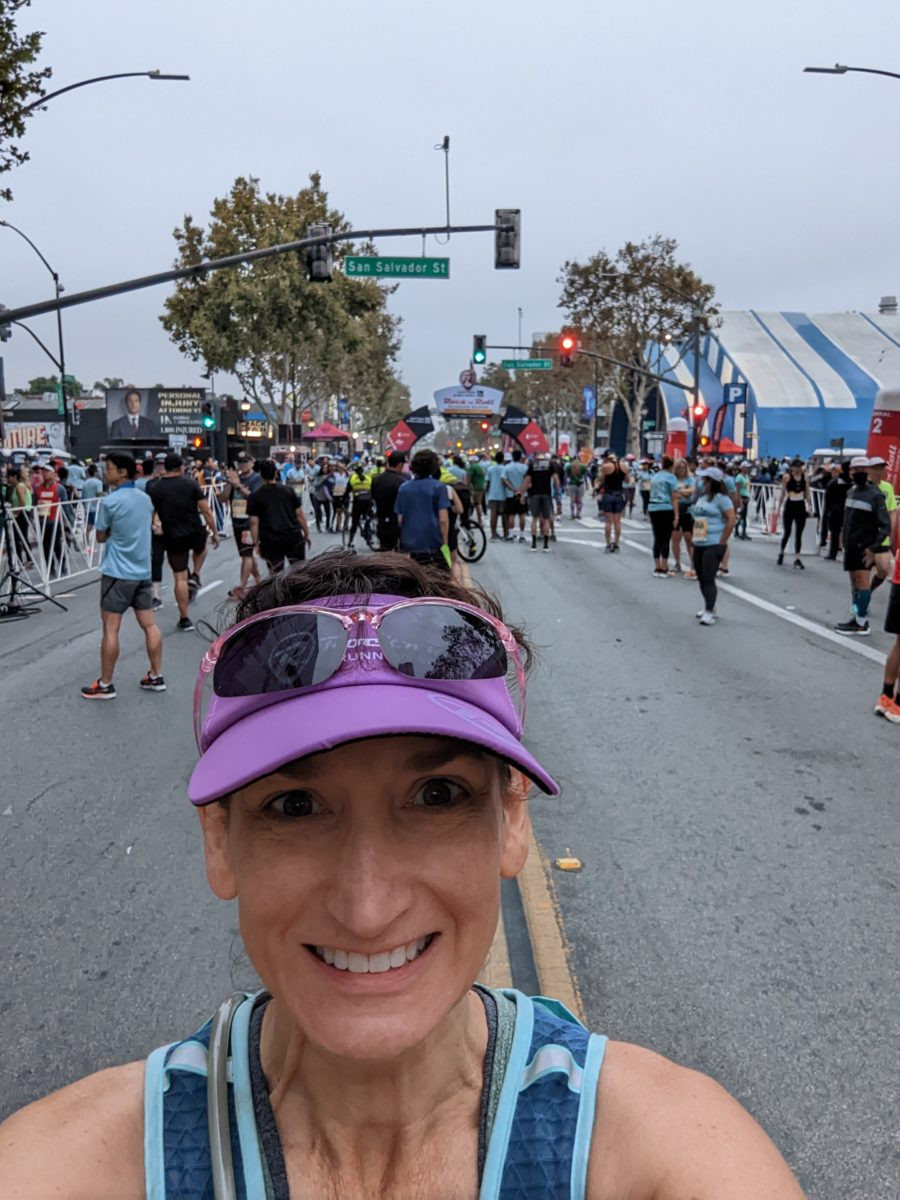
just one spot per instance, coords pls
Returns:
(540, 1139)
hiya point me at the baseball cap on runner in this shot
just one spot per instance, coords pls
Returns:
(877, 461)
(711, 473)
(859, 461)
(290, 682)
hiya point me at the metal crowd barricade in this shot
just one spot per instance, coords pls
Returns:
(764, 506)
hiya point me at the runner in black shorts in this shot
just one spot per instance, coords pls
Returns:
(611, 494)
(888, 703)
(180, 502)
(866, 525)
(539, 482)
(241, 485)
(277, 522)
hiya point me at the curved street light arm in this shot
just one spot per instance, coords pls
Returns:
(840, 69)
(15, 229)
(100, 79)
(50, 355)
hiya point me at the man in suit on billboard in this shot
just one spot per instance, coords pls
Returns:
(131, 424)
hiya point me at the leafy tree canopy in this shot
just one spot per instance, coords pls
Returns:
(48, 383)
(110, 381)
(290, 343)
(20, 85)
(624, 305)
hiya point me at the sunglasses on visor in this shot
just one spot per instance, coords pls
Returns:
(301, 646)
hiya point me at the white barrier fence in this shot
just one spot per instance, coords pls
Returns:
(764, 506)
(49, 544)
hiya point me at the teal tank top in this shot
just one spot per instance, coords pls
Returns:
(205, 1127)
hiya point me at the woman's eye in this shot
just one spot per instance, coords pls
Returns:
(440, 793)
(292, 804)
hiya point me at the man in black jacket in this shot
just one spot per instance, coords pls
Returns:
(833, 514)
(866, 525)
(385, 487)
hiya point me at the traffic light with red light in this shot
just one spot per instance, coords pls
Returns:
(567, 345)
(485, 426)
(698, 413)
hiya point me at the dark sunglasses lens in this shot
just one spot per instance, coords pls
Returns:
(294, 650)
(436, 641)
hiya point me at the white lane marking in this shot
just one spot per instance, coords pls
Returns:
(793, 618)
(208, 587)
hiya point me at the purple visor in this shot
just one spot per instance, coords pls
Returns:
(294, 681)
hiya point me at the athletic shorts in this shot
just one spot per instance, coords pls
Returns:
(276, 550)
(892, 616)
(178, 549)
(478, 498)
(541, 506)
(515, 506)
(497, 506)
(612, 502)
(243, 539)
(686, 522)
(118, 595)
(854, 558)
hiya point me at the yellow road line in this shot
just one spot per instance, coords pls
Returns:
(548, 945)
(542, 916)
(496, 972)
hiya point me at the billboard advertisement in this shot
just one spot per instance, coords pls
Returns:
(34, 435)
(134, 413)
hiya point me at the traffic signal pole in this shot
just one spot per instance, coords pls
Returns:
(235, 260)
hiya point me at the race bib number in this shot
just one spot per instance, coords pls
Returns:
(701, 529)
(246, 538)
(43, 508)
(238, 508)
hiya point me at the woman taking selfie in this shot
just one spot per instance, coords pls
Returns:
(361, 791)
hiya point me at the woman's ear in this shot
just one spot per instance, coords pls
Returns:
(214, 821)
(516, 826)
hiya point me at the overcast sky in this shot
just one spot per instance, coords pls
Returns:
(601, 121)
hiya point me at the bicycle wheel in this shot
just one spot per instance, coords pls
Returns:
(472, 543)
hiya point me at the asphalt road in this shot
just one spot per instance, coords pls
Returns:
(728, 790)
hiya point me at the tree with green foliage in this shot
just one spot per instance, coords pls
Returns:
(48, 383)
(624, 306)
(20, 85)
(290, 343)
(110, 381)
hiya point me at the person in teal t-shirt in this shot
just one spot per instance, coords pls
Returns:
(663, 509)
(714, 519)
(684, 527)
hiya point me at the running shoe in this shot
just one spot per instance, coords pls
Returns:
(781, 559)
(153, 683)
(891, 712)
(676, 570)
(699, 613)
(156, 604)
(852, 627)
(660, 574)
(546, 549)
(616, 547)
(99, 691)
(708, 618)
(798, 565)
(185, 625)
(690, 575)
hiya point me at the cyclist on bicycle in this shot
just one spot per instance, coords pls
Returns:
(361, 491)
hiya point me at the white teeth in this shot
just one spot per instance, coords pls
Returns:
(373, 964)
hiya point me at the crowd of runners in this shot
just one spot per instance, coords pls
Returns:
(695, 509)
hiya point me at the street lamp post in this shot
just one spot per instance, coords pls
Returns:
(59, 330)
(157, 74)
(840, 69)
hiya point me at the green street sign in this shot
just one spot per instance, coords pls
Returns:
(68, 378)
(60, 404)
(527, 364)
(649, 425)
(360, 265)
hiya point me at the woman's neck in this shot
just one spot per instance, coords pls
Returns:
(356, 1109)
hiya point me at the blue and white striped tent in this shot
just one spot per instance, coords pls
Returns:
(810, 378)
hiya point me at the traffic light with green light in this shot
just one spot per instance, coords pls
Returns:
(208, 418)
(479, 348)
